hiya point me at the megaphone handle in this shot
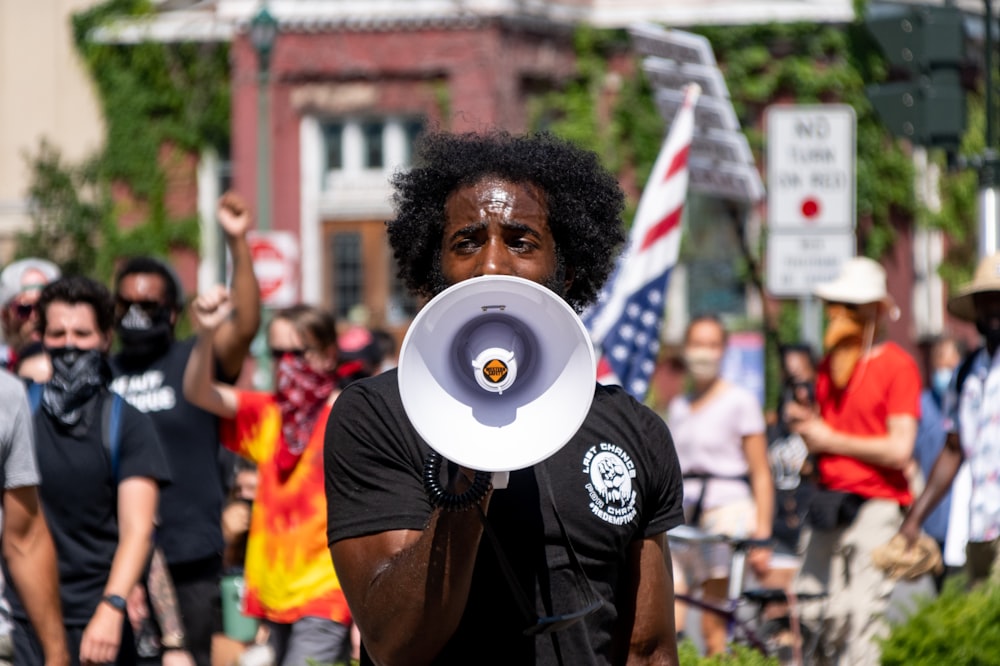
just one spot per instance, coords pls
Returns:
(500, 480)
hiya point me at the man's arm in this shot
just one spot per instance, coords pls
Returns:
(762, 489)
(137, 499)
(938, 482)
(31, 559)
(407, 589)
(232, 339)
(893, 450)
(653, 637)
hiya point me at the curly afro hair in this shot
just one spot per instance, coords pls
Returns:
(584, 201)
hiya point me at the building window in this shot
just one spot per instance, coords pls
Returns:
(348, 272)
(352, 146)
(371, 133)
(333, 141)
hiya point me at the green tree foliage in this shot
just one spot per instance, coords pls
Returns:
(151, 96)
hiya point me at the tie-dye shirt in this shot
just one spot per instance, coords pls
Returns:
(289, 572)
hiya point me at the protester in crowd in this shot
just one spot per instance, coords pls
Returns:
(28, 552)
(227, 649)
(718, 428)
(149, 372)
(290, 581)
(99, 491)
(862, 432)
(425, 583)
(972, 424)
(944, 355)
(20, 285)
(388, 350)
(791, 467)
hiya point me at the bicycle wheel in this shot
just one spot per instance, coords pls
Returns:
(779, 640)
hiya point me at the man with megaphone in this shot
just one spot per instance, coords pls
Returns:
(482, 508)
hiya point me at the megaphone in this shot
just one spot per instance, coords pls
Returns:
(496, 373)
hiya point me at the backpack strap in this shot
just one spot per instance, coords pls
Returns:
(111, 424)
(964, 368)
(34, 391)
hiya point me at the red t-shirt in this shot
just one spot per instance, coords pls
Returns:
(884, 384)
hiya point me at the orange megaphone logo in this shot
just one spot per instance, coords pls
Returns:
(495, 370)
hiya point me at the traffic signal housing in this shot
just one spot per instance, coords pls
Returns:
(925, 46)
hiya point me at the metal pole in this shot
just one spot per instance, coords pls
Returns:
(263, 147)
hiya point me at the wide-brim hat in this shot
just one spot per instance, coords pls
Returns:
(986, 279)
(861, 280)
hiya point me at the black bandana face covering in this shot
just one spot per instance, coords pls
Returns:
(145, 334)
(77, 376)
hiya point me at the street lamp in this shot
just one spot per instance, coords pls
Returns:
(263, 33)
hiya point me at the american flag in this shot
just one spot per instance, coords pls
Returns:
(625, 322)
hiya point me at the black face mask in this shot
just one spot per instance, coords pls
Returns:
(145, 334)
(77, 376)
(990, 330)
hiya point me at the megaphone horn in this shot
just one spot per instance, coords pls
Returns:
(496, 373)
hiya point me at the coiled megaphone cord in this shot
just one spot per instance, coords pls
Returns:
(452, 501)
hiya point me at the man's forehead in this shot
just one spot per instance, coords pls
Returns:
(147, 284)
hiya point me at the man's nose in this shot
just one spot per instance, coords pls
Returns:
(495, 259)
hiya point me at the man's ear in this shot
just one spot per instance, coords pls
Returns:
(570, 275)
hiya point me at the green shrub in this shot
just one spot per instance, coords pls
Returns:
(738, 656)
(957, 627)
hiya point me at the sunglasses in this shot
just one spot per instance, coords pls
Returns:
(23, 311)
(123, 305)
(277, 353)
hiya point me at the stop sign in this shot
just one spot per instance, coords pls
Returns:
(275, 263)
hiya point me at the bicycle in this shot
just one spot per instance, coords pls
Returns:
(786, 637)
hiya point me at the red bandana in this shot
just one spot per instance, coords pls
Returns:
(300, 394)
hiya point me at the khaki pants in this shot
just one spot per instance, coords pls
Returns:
(839, 561)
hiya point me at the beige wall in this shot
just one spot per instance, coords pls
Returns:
(44, 93)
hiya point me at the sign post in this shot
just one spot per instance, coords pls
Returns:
(811, 201)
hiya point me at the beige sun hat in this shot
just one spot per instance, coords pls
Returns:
(861, 280)
(987, 278)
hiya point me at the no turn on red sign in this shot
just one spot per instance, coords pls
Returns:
(811, 174)
(811, 195)
(275, 257)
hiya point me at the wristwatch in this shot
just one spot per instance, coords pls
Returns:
(116, 601)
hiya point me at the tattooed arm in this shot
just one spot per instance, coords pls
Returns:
(163, 600)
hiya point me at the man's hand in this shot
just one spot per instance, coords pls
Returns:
(177, 658)
(102, 637)
(138, 609)
(234, 217)
(211, 308)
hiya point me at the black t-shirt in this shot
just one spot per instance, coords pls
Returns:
(190, 507)
(80, 497)
(617, 481)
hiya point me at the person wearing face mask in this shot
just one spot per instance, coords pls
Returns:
(861, 431)
(290, 581)
(99, 504)
(21, 282)
(972, 415)
(149, 372)
(719, 432)
(944, 356)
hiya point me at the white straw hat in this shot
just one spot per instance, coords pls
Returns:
(987, 278)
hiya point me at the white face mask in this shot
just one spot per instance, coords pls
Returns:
(703, 364)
